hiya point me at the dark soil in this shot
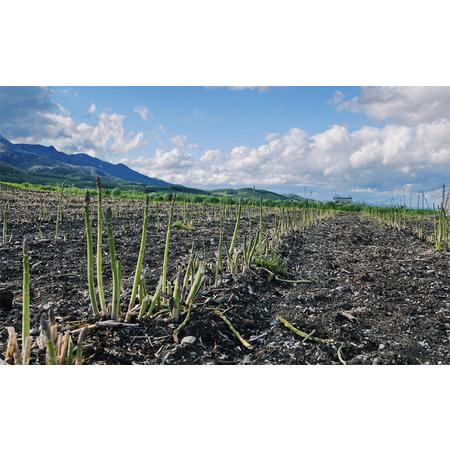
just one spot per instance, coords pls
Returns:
(381, 295)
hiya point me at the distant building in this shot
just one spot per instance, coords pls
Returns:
(342, 200)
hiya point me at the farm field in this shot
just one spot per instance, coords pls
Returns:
(299, 285)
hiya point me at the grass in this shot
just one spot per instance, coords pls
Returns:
(179, 225)
(139, 192)
(274, 263)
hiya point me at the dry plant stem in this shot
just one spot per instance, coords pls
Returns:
(292, 281)
(79, 351)
(302, 334)
(284, 280)
(104, 324)
(62, 359)
(137, 275)
(12, 354)
(26, 351)
(308, 336)
(339, 355)
(233, 330)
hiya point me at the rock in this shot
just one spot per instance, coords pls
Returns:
(447, 326)
(6, 300)
(381, 346)
(188, 340)
(377, 361)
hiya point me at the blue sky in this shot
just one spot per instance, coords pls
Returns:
(214, 117)
(376, 144)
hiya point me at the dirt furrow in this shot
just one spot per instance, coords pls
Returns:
(381, 294)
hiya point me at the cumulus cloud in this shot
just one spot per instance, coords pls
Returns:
(400, 104)
(31, 115)
(210, 155)
(106, 136)
(178, 140)
(143, 112)
(367, 160)
(92, 108)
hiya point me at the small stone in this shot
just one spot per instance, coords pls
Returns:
(6, 300)
(447, 326)
(188, 340)
(377, 361)
(381, 346)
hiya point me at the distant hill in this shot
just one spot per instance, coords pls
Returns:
(41, 164)
(256, 194)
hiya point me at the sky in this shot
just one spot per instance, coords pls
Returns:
(377, 144)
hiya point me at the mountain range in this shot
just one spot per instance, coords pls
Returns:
(46, 163)
(39, 164)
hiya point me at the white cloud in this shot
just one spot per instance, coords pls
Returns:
(210, 155)
(178, 140)
(403, 105)
(174, 159)
(92, 108)
(366, 160)
(103, 138)
(143, 112)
